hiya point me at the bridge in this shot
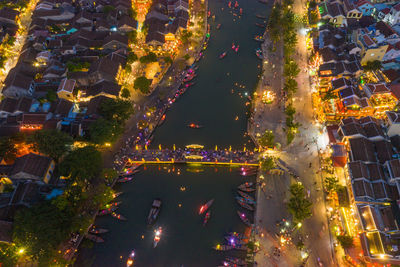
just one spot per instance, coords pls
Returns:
(194, 154)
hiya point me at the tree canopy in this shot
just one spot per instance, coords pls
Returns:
(267, 139)
(345, 241)
(372, 65)
(125, 93)
(104, 131)
(117, 110)
(267, 164)
(299, 206)
(150, 57)
(51, 142)
(142, 84)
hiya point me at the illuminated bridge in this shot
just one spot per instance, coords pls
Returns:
(194, 154)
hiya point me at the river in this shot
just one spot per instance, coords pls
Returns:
(218, 102)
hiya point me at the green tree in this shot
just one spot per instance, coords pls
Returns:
(267, 164)
(125, 93)
(185, 36)
(290, 69)
(103, 196)
(372, 65)
(132, 37)
(118, 110)
(168, 60)
(345, 241)
(109, 175)
(8, 151)
(108, 8)
(331, 183)
(150, 57)
(104, 131)
(299, 206)
(142, 84)
(51, 96)
(267, 139)
(51, 142)
(186, 56)
(132, 57)
(8, 254)
(132, 13)
(290, 86)
(82, 164)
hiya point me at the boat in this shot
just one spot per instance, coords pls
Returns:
(259, 53)
(115, 195)
(245, 185)
(194, 126)
(107, 211)
(236, 4)
(218, 26)
(125, 179)
(244, 218)
(260, 16)
(233, 46)
(207, 217)
(245, 205)
(154, 211)
(118, 216)
(188, 85)
(222, 55)
(95, 230)
(240, 11)
(206, 206)
(236, 235)
(263, 2)
(248, 189)
(94, 238)
(157, 236)
(189, 78)
(223, 247)
(162, 119)
(235, 260)
(244, 195)
(260, 25)
(237, 49)
(131, 259)
(246, 200)
(233, 241)
(259, 38)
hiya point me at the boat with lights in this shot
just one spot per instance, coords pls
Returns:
(246, 196)
(245, 205)
(244, 218)
(222, 55)
(125, 179)
(118, 216)
(218, 26)
(94, 238)
(246, 200)
(194, 146)
(259, 53)
(154, 211)
(131, 259)
(237, 261)
(223, 247)
(207, 217)
(157, 236)
(107, 211)
(206, 206)
(245, 185)
(259, 38)
(95, 230)
(194, 126)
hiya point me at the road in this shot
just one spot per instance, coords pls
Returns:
(301, 156)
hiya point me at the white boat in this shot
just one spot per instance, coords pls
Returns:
(157, 236)
(131, 259)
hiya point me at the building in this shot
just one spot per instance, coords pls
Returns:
(66, 89)
(33, 167)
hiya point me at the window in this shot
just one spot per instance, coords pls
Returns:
(372, 54)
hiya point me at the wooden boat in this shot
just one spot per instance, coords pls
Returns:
(107, 211)
(207, 217)
(118, 216)
(235, 260)
(223, 247)
(162, 119)
(206, 206)
(234, 241)
(154, 211)
(94, 238)
(246, 196)
(95, 230)
(125, 179)
(261, 25)
(259, 54)
(131, 259)
(245, 205)
(246, 200)
(194, 126)
(157, 236)
(245, 185)
(115, 195)
(260, 16)
(222, 55)
(236, 235)
(237, 49)
(259, 38)
(248, 189)
(218, 26)
(244, 218)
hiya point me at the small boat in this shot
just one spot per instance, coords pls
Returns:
(263, 2)
(246, 200)
(118, 216)
(245, 185)
(237, 49)
(247, 189)
(259, 54)
(162, 119)
(94, 238)
(95, 230)
(157, 236)
(206, 206)
(188, 85)
(245, 205)
(233, 241)
(260, 16)
(230, 4)
(115, 195)
(131, 259)
(240, 11)
(194, 126)
(244, 218)
(236, 4)
(235, 260)
(236, 235)
(244, 195)
(154, 211)
(222, 55)
(259, 38)
(113, 204)
(218, 26)
(107, 211)
(125, 179)
(189, 78)
(223, 247)
(260, 25)
(233, 46)
(207, 217)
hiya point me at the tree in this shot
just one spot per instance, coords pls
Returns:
(150, 57)
(104, 195)
(299, 206)
(290, 68)
(82, 164)
(290, 86)
(142, 84)
(125, 93)
(132, 13)
(104, 131)
(8, 254)
(331, 183)
(132, 37)
(8, 151)
(51, 142)
(185, 36)
(132, 57)
(109, 175)
(267, 139)
(290, 110)
(51, 96)
(186, 56)
(118, 110)
(372, 65)
(267, 164)
(168, 60)
(345, 241)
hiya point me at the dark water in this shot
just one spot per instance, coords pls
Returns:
(212, 104)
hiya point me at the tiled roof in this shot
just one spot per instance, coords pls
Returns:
(32, 164)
